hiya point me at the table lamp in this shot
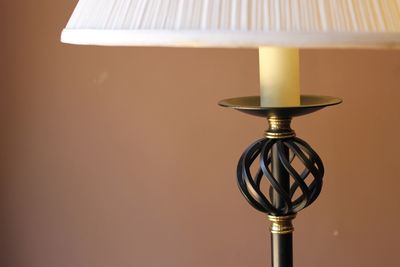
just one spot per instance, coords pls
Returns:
(279, 174)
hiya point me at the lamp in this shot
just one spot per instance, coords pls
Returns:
(291, 168)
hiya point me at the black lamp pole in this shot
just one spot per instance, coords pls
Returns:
(281, 244)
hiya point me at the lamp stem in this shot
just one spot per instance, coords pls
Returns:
(281, 175)
(293, 186)
(282, 250)
(281, 242)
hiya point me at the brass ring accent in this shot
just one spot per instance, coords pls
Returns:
(279, 128)
(270, 135)
(282, 224)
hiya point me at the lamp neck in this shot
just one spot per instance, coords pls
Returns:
(279, 128)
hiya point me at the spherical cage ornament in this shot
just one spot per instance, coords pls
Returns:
(305, 186)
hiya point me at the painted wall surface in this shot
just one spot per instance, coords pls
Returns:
(120, 156)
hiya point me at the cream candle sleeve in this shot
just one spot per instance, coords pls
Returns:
(279, 76)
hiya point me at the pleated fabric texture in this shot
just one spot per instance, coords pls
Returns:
(236, 23)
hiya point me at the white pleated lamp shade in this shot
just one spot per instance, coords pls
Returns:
(236, 23)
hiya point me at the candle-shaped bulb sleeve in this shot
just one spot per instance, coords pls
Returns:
(279, 76)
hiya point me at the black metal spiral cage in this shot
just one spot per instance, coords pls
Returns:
(303, 187)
